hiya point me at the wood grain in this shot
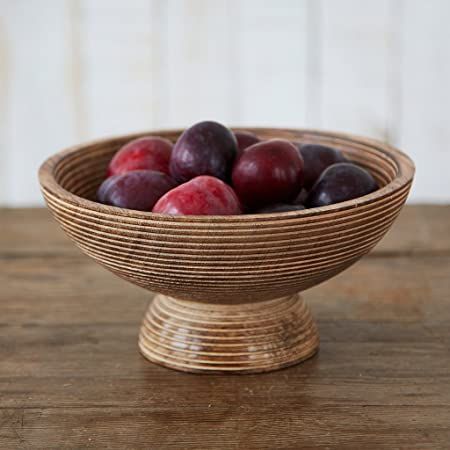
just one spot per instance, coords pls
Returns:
(417, 230)
(256, 337)
(199, 51)
(226, 262)
(270, 48)
(121, 57)
(426, 127)
(234, 428)
(43, 102)
(348, 65)
(71, 377)
(348, 28)
(209, 258)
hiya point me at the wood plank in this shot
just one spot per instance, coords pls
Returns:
(349, 65)
(66, 290)
(76, 366)
(228, 426)
(401, 289)
(355, 66)
(121, 55)
(5, 81)
(419, 229)
(271, 46)
(136, 390)
(199, 61)
(74, 350)
(406, 290)
(425, 92)
(72, 376)
(25, 230)
(86, 317)
(39, 104)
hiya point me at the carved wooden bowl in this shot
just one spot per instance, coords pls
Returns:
(228, 286)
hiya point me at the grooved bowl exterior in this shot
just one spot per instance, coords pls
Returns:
(226, 259)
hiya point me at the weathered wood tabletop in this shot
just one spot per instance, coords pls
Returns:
(71, 375)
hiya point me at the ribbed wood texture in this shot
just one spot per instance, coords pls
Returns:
(255, 337)
(225, 260)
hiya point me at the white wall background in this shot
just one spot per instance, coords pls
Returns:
(72, 70)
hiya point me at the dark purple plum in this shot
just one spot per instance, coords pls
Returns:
(279, 207)
(139, 189)
(245, 139)
(340, 182)
(103, 189)
(316, 159)
(206, 148)
(268, 172)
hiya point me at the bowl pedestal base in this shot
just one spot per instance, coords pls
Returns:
(239, 338)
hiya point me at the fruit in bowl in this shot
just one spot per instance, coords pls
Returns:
(228, 285)
(340, 182)
(138, 189)
(234, 172)
(203, 195)
(206, 148)
(316, 158)
(268, 172)
(146, 153)
(245, 139)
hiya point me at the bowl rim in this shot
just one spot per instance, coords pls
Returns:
(404, 177)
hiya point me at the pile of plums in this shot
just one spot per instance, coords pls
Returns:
(212, 171)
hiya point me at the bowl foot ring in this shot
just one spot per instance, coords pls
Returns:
(244, 338)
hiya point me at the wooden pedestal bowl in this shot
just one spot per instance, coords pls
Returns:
(228, 286)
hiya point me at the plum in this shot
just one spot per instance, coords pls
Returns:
(316, 159)
(340, 182)
(146, 153)
(268, 172)
(139, 189)
(245, 139)
(203, 195)
(206, 148)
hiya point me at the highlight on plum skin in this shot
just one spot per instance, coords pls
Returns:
(206, 148)
(268, 172)
(340, 182)
(138, 190)
(203, 195)
(145, 153)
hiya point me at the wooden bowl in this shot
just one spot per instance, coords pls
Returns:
(228, 286)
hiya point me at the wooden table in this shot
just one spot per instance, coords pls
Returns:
(71, 375)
